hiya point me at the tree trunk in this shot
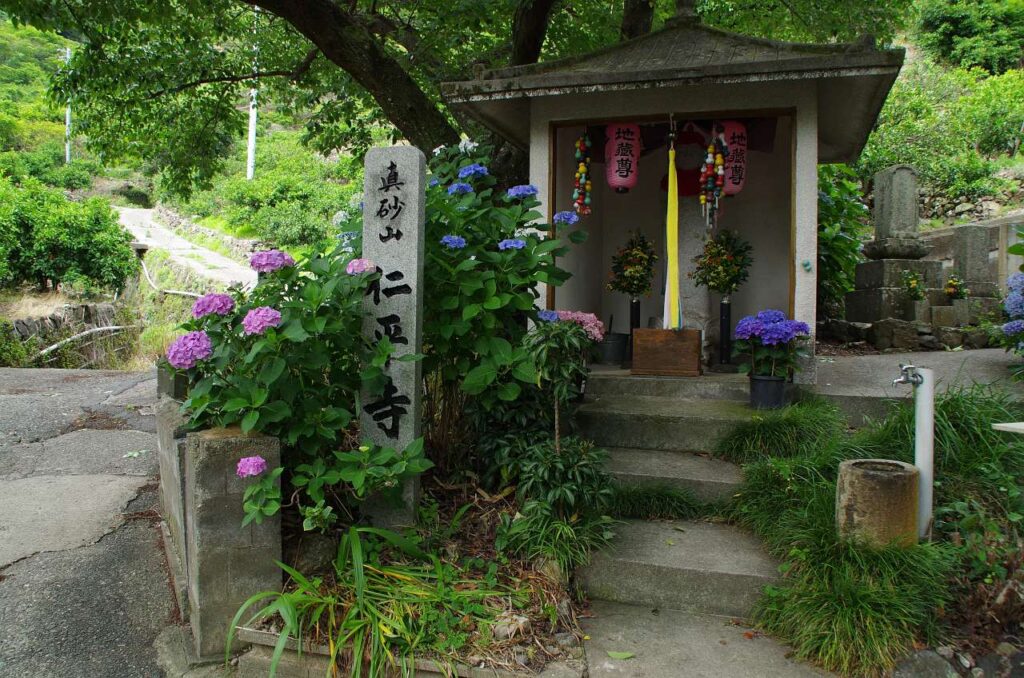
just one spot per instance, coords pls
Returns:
(347, 42)
(637, 17)
(529, 27)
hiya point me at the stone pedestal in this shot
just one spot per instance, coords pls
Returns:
(970, 260)
(876, 502)
(879, 292)
(170, 444)
(895, 216)
(227, 563)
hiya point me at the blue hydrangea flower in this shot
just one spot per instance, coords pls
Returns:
(1014, 304)
(459, 187)
(771, 316)
(548, 316)
(474, 170)
(1015, 283)
(749, 327)
(512, 243)
(453, 242)
(568, 217)
(522, 191)
(1013, 327)
(434, 181)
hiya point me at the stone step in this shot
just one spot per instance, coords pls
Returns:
(606, 382)
(693, 566)
(709, 480)
(657, 423)
(668, 643)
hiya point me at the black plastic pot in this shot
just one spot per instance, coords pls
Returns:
(767, 393)
(613, 348)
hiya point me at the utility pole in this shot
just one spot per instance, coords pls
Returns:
(250, 160)
(67, 116)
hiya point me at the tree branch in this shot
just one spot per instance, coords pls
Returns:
(293, 74)
(529, 28)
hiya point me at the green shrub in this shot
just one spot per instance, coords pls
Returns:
(969, 33)
(537, 533)
(570, 480)
(841, 219)
(13, 351)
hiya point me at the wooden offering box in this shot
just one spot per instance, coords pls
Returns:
(668, 353)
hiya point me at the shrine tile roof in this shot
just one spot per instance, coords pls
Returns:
(855, 78)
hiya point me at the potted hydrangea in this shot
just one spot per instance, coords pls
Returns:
(773, 345)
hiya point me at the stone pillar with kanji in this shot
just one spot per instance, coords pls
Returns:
(393, 238)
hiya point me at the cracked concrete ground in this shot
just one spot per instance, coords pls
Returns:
(83, 581)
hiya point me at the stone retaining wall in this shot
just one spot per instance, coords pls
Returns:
(79, 317)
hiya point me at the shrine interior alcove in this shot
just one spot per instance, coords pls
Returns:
(760, 214)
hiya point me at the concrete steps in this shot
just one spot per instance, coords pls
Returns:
(694, 566)
(658, 422)
(709, 480)
(605, 382)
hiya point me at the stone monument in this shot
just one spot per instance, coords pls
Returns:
(897, 247)
(393, 238)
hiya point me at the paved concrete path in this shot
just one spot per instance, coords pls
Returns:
(144, 227)
(83, 581)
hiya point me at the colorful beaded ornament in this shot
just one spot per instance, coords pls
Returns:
(712, 176)
(582, 185)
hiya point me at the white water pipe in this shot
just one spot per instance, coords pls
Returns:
(923, 381)
(250, 158)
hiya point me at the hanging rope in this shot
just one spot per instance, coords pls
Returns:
(673, 306)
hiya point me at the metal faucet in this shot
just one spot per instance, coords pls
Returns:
(908, 375)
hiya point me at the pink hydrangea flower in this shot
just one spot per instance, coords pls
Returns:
(357, 266)
(259, 319)
(221, 304)
(189, 349)
(271, 260)
(249, 467)
(588, 321)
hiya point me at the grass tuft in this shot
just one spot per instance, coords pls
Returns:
(653, 502)
(799, 429)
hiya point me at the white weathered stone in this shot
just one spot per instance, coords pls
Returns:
(393, 238)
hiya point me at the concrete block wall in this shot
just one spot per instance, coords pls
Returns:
(226, 563)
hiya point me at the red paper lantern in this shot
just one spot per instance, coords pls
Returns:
(735, 137)
(622, 156)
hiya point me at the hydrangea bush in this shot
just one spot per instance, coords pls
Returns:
(486, 258)
(1013, 331)
(772, 343)
(288, 359)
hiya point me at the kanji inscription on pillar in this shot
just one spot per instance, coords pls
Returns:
(393, 233)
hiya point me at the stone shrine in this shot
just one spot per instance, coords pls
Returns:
(897, 247)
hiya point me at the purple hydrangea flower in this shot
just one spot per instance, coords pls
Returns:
(771, 316)
(568, 217)
(782, 332)
(357, 266)
(1013, 327)
(221, 304)
(1014, 304)
(189, 349)
(512, 243)
(474, 170)
(547, 316)
(749, 327)
(250, 467)
(459, 187)
(259, 319)
(522, 191)
(1015, 282)
(453, 242)
(270, 261)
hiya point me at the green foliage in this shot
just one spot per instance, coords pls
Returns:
(13, 351)
(538, 533)
(633, 266)
(973, 33)
(45, 238)
(653, 502)
(842, 217)
(855, 609)
(797, 430)
(947, 124)
(569, 481)
(290, 202)
(724, 264)
(377, 615)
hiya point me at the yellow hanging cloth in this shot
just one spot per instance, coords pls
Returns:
(674, 309)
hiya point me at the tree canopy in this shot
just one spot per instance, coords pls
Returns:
(166, 82)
